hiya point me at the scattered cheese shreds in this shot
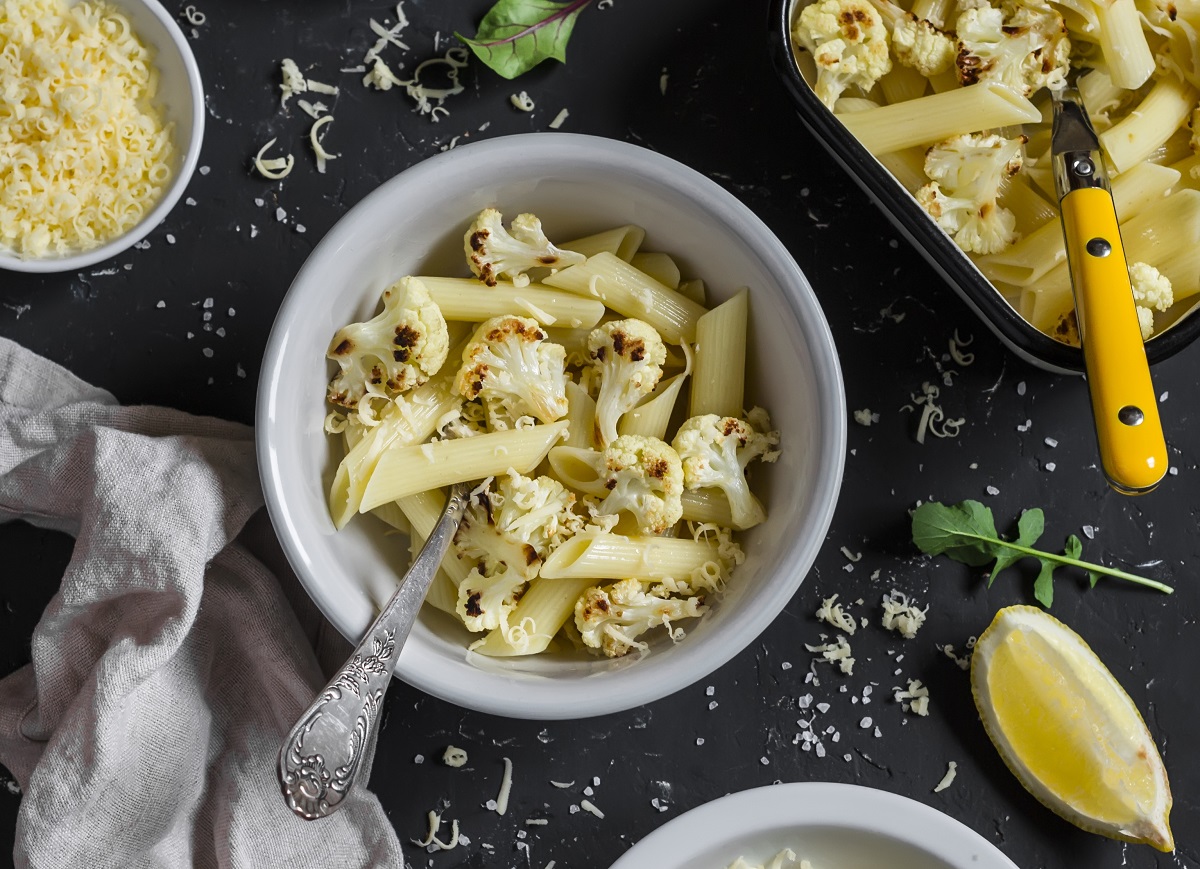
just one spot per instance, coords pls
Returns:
(559, 119)
(314, 138)
(831, 612)
(838, 652)
(293, 80)
(522, 101)
(454, 756)
(84, 164)
(505, 787)
(431, 840)
(588, 806)
(917, 695)
(951, 772)
(275, 168)
(901, 615)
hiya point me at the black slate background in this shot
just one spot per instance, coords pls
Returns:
(725, 114)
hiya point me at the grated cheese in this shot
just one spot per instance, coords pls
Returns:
(431, 840)
(917, 694)
(522, 101)
(293, 80)
(590, 808)
(951, 772)
(786, 856)
(275, 168)
(314, 138)
(454, 756)
(193, 16)
(313, 110)
(838, 652)
(559, 119)
(87, 157)
(505, 787)
(901, 615)
(536, 312)
(832, 613)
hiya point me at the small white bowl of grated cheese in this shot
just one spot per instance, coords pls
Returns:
(101, 121)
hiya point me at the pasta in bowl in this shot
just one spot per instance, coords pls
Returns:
(540, 548)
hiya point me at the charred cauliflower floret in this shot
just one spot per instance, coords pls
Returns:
(917, 42)
(643, 476)
(967, 174)
(628, 356)
(517, 373)
(611, 619)
(715, 451)
(494, 252)
(397, 350)
(849, 43)
(1022, 46)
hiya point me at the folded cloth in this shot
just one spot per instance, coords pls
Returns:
(168, 667)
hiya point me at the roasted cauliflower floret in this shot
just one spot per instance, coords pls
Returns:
(509, 365)
(534, 511)
(1024, 46)
(643, 476)
(917, 42)
(397, 350)
(967, 175)
(612, 619)
(494, 252)
(494, 586)
(628, 356)
(715, 451)
(1152, 291)
(849, 43)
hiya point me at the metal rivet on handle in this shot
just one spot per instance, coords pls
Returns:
(1130, 415)
(1099, 247)
(1083, 167)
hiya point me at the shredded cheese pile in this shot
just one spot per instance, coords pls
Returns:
(84, 155)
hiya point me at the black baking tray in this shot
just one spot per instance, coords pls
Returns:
(937, 247)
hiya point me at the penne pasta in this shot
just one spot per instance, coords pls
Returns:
(632, 293)
(467, 300)
(902, 84)
(1028, 205)
(938, 116)
(623, 241)
(613, 557)
(907, 166)
(423, 511)
(581, 417)
(412, 469)
(1135, 137)
(694, 290)
(578, 469)
(659, 266)
(1123, 43)
(707, 505)
(652, 416)
(721, 358)
(544, 608)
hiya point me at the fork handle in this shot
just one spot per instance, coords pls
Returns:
(1133, 451)
(322, 755)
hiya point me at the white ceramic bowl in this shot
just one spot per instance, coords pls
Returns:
(414, 224)
(181, 95)
(829, 824)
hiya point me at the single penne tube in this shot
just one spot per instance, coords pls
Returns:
(406, 424)
(1189, 173)
(659, 266)
(1028, 205)
(422, 511)
(544, 608)
(1033, 256)
(694, 290)
(1164, 110)
(1123, 43)
(467, 300)
(902, 84)
(938, 116)
(443, 594)
(613, 557)
(721, 358)
(581, 417)
(632, 293)
(1098, 92)
(623, 241)
(391, 514)
(707, 505)
(907, 166)
(578, 468)
(412, 469)
(944, 81)
(652, 416)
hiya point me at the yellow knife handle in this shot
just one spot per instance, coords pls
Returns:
(1132, 449)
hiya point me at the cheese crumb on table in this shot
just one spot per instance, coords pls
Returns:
(901, 615)
(454, 756)
(948, 778)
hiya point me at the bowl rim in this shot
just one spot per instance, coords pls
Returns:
(172, 195)
(934, 245)
(850, 808)
(544, 699)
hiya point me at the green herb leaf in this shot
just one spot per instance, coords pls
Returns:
(967, 533)
(516, 35)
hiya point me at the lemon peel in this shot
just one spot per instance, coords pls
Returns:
(1067, 729)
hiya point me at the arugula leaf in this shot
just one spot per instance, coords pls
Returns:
(516, 35)
(967, 533)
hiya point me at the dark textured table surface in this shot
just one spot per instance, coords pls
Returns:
(137, 327)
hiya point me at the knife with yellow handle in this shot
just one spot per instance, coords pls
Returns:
(1133, 452)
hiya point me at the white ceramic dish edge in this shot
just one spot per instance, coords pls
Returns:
(754, 820)
(152, 22)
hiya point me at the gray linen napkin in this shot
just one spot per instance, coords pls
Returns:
(169, 666)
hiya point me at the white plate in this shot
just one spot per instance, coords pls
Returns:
(836, 826)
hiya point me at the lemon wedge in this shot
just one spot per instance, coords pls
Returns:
(1067, 729)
